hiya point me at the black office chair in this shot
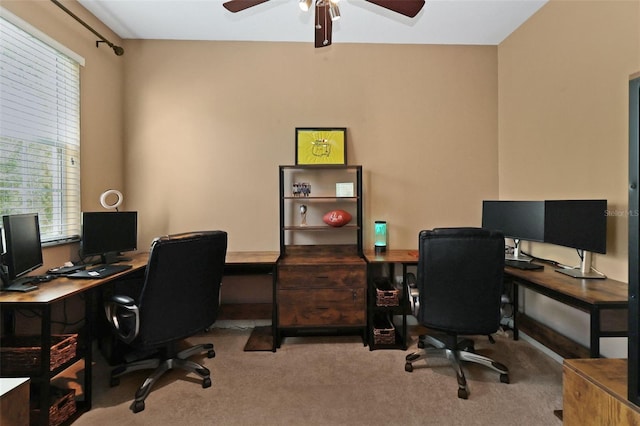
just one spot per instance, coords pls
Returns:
(460, 282)
(179, 298)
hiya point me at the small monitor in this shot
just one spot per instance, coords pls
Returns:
(23, 246)
(108, 234)
(579, 224)
(518, 220)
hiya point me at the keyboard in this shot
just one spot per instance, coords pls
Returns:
(63, 270)
(522, 265)
(101, 271)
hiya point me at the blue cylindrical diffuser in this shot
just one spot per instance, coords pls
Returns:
(380, 239)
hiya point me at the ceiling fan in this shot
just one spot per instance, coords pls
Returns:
(327, 11)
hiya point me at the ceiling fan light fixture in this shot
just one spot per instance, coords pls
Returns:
(334, 11)
(305, 5)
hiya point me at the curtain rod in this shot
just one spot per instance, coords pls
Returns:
(119, 51)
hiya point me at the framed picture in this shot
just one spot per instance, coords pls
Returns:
(321, 145)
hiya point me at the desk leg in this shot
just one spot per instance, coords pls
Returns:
(402, 302)
(594, 335)
(88, 350)
(45, 360)
(274, 309)
(516, 302)
(406, 305)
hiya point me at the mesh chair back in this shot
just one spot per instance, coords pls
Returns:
(181, 291)
(460, 278)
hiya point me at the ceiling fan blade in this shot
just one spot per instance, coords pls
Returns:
(239, 5)
(323, 26)
(408, 8)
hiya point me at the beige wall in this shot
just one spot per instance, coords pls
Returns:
(208, 123)
(193, 132)
(101, 116)
(563, 124)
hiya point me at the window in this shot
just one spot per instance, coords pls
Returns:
(39, 129)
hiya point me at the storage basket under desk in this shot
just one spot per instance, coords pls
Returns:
(386, 293)
(384, 332)
(62, 406)
(22, 354)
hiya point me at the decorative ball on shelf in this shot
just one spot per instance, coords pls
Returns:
(336, 218)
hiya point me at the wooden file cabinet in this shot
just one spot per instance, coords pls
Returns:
(322, 295)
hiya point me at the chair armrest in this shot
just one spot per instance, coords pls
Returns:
(124, 316)
(122, 300)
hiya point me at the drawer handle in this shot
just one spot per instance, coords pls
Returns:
(322, 277)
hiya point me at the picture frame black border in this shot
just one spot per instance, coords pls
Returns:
(298, 131)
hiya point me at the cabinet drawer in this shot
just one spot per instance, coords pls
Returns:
(321, 307)
(322, 276)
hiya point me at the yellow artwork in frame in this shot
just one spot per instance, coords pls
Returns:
(322, 145)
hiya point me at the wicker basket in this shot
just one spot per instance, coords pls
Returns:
(62, 406)
(21, 354)
(386, 294)
(384, 333)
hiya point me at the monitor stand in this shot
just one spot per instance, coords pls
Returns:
(517, 256)
(585, 269)
(21, 284)
(113, 257)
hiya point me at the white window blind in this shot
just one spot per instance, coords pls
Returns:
(39, 133)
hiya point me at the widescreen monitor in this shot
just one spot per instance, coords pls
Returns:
(23, 246)
(518, 220)
(579, 224)
(108, 234)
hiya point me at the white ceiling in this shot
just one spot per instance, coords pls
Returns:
(480, 22)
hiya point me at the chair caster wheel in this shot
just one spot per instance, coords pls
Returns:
(408, 367)
(137, 406)
(206, 383)
(115, 381)
(412, 356)
(211, 354)
(504, 378)
(463, 394)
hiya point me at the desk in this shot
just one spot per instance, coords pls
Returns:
(391, 257)
(258, 262)
(62, 288)
(42, 300)
(606, 301)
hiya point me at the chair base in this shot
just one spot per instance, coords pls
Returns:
(161, 366)
(461, 350)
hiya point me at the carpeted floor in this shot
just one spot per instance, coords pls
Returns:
(335, 380)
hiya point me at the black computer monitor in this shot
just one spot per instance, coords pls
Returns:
(579, 224)
(23, 247)
(518, 220)
(108, 234)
